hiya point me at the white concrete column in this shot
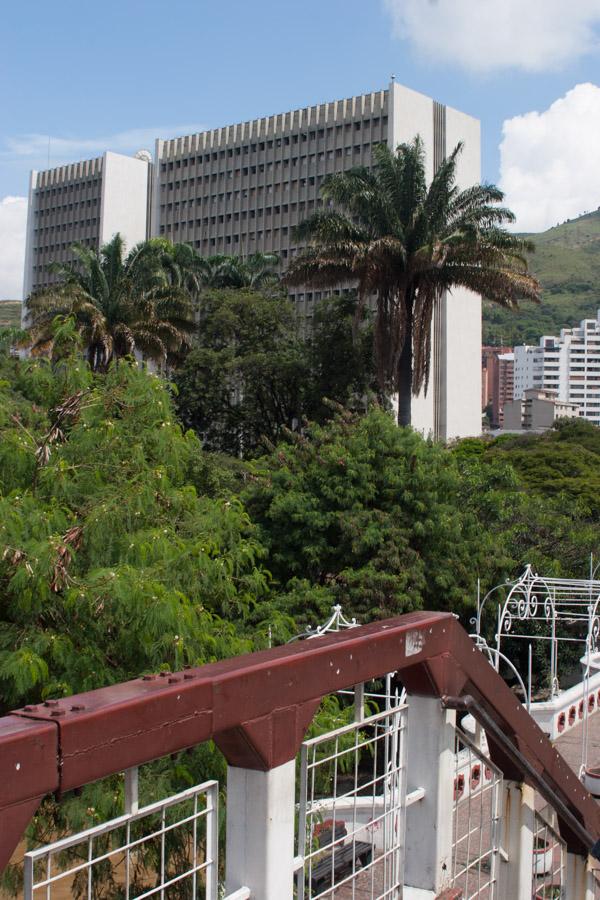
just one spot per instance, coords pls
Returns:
(260, 831)
(518, 819)
(579, 878)
(430, 765)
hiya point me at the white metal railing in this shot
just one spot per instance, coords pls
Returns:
(352, 809)
(166, 850)
(477, 815)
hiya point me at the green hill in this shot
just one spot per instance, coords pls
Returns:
(10, 313)
(567, 262)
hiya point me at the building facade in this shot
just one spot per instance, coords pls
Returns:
(497, 375)
(242, 189)
(87, 203)
(568, 365)
(537, 410)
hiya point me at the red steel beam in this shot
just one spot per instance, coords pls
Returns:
(257, 708)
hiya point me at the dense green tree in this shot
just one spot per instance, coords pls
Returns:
(407, 244)
(340, 356)
(244, 379)
(112, 561)
(256, 272)
(115, 556)
(120, 302)
(366, 514)
(563, 463)
(250, 376)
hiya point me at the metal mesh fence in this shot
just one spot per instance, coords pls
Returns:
(548, 861)
(477, 815)
(166, 850)
(352, 807)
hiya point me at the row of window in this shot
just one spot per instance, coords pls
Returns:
(272, 143)
(255, 195)
(284, 186)
(255, 213)
(72, 188)
(62, 249)
(66, 226)
(271, 235)
(63, 245)
(67, 207)
(293, 162)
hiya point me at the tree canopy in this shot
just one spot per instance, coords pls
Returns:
(250, 376)
(365, 514)
(121, 303)
(406, 244)
(127, 547)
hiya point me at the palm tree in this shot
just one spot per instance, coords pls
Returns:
(120, 303)
(256, 272)
(406, 244)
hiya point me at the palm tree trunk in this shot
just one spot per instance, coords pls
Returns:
(405, 372)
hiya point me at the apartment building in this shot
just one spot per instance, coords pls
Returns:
(568, 365)
(242, 188)
(86, 202)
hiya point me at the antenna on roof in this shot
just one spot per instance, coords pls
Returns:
(392, 77)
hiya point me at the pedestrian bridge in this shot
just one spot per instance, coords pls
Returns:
(441, 784)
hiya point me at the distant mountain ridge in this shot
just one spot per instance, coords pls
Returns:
(567, 262)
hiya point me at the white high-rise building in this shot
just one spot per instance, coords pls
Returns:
(242, 188)
(86, 202)
(568, 365)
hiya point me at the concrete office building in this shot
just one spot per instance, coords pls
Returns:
(85, 202)
(537, 410)
(568, 365)
(242, 188)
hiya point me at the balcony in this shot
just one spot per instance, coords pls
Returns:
(440, 780)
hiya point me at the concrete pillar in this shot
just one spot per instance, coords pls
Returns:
(579, 879)
(430, 765)
(518, 819)
(260, 831)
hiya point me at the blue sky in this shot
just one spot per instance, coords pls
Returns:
(116, 74)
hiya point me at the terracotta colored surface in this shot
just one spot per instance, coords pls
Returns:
(257, 707)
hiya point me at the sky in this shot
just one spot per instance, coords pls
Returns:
(79, 78)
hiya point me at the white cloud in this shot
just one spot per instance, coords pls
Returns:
(13, 217)
(36, 149)
(549, 167)
(482, 35)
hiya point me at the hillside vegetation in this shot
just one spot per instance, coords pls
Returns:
(567, 262)
(10, 313)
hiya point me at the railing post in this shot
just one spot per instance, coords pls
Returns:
(260, 831)
(518, 816)
(430, 765)
(579, 878)
(132, 803)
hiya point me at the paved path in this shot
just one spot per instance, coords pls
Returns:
(569, 744)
